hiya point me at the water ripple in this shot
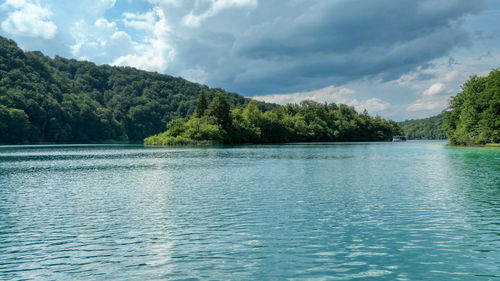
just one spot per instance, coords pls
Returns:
(416, 211)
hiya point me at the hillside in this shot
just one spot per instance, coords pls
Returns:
(60, 100)
(430, 128)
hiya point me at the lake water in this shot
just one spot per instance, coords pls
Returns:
(390, 211)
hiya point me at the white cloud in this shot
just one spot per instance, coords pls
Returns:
(26, 18)
(18, 4)
(432, 99)
(340, 95)
(99, 40)
(144, 21)
(157, 51)
(216, 6)
(328, 94)
(429, 104)
(106, 4)
(434, 89)
(105, 42)
(373, 105)
(195, 74)
(174, 3)
(433, 85)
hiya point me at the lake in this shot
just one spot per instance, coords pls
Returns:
(390, 211)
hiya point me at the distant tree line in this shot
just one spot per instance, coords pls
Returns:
(473, 115)
(63, 100)
(424, 129)
(308, 121)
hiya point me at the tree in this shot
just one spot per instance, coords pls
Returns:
(219, 109)
(14, 125)
(201, 106)
(473, 115)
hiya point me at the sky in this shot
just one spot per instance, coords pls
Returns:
(400, 59)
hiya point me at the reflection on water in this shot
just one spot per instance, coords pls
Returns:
(405, 211)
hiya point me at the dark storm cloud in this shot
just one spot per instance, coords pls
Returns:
(339, 41)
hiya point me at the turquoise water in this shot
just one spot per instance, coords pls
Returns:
(389, 211)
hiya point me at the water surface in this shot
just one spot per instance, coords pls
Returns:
(390, 211)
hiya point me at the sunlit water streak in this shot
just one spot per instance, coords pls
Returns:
(394, 211)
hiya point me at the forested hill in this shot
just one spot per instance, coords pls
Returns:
(430, 128)
(65, 100)
(473, 115)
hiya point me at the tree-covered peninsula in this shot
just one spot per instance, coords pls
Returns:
(60, 100)
(308, 121)
(473, 115)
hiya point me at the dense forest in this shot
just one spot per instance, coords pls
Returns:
(473, 115)
(64, 100)
(430, 128)
(308, 121)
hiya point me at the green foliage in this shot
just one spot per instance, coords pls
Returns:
(196, 130)
(309, 121)
(15, 124)
(77, 101)
(220, 110)
(163, 140)
(473, 115)
(201, 106)
(203, 128)
(424, 129)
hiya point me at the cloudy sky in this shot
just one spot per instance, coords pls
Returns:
(397, 58)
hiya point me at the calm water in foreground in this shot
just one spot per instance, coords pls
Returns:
(395, 211)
